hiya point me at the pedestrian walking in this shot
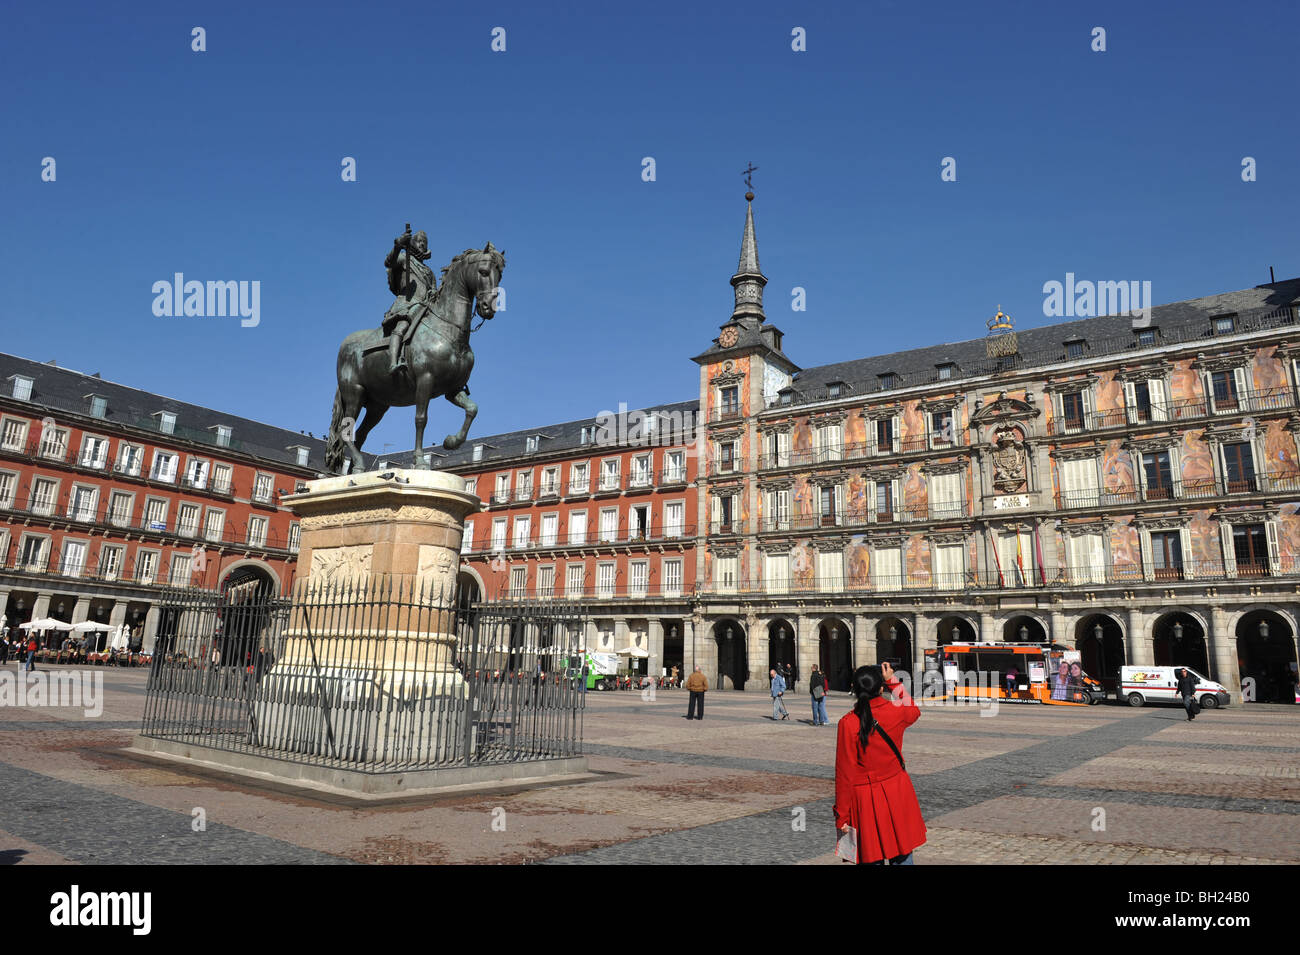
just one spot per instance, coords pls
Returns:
(1187, 690)
(874, 796)
(31, 654)
(789, 677)
(698, 684)
(779, 712)
(817, 687)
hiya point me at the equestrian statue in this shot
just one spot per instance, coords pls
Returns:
(420, 351)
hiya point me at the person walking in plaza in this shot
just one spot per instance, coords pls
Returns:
(1187, 690)
(817, 687)
(874, 796)
(698, 684)
(31, 653)
(779, 712)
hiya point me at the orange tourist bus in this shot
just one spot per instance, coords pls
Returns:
(1014, 673)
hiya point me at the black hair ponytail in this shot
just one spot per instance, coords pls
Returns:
(867, 682)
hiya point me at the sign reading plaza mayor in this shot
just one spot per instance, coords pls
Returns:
(1011, 502)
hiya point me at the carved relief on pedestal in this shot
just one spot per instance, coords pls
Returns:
(405, 512)
(436, 569)
(337, 564)
(1009, 465)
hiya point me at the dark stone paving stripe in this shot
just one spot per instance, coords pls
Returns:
(1253, 747)
(1278, 807)
(767, 838)
(715, 761)
(92, 826)
(10, 726)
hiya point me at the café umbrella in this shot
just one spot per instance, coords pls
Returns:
(45, 623)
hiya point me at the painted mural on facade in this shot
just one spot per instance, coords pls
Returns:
(1197, 461)
(1203, 536)
(857, 561)
(1269, 373)
(1279, 450)
(800, 440)
(914, 427)
(917, 560)
(803, 566)
(1185, 386)
(1288, 535)
(1109, 393)
(855, 496)
(916, 493)
(1125, 548)
(1117, 475)
(855, 433)
(804, 497)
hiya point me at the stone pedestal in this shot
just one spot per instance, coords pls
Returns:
(368, 672)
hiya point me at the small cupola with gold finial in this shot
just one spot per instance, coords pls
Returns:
(1001, 341)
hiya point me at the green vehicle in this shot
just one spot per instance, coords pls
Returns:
(601, 669)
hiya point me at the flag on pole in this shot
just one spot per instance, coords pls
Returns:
(1020, 560)
(997, 558)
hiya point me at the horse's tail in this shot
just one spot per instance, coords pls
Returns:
(335, 449)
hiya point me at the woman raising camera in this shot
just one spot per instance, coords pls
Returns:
(873, 793)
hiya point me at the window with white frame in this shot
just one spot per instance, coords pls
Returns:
(609, 474)
(44, 493)
(1085, 558)
(110, 561)
(523, 531)
(466, 538)
(550, 530)
(724, 513)
(262, 487)
(579, 478)
(672, 576)
(776, 572)
(728, 452)
(94, 452)
(83, 502)
(130, 459)
(608, 524)
(638, 578)
(830, 442)
(167, 422)
(942, 429)
(887, 568)
(518, 582)
(577, 527)
(164, 467)
(949, 566)
(13, 437)
(1145, 400)
(1074, 409)
(641, 470)
(477, 454)
(524, 485)
(187, 520)
(214, 524)
(947, 495)
(502, 492)
(606, 577)
(726, 574)
(1016, 556)
(546, 582)
(831, 503)
(777, 449)
(8, 489)
(1079, 482)
(257, 531)
(498, 535)
(295, 535)
(830, 571)
(884, 499)
(22, 387)
(221, 474)
(674, 518)
(73, 560)
(54, 443)
(574, 579)
(550, 481)
(638, 522)
(178, 575)
(883, 435)
(146, 566)
(155, 514)
(196, 473)
(471, 486)
(530, 444)
(98, 406)
(674, 466)
(223, 435)
(119, 509)
(33, 553)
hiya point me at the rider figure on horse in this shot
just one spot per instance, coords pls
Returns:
(414, 284)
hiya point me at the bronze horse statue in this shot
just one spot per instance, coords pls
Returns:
(438, 357)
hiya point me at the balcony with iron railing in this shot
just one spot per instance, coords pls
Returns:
(658, 534)
(1275, 482)
(1236, 402)
(857, 451)
(726, 412)
(863, 517)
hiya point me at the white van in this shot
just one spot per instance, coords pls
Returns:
(1141, 685)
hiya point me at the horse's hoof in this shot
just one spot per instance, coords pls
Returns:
(452, 442)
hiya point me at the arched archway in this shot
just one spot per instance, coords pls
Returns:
(956, 629)
(243, 617)
(469, 590)
(894, 643)
(1266, 657)
(1100, 640)
(1178, 639)
(733, 654)
(1024, 629)
(835, 652)
(781, 648)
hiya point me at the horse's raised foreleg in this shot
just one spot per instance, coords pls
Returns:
(374, 411)
(461, 399)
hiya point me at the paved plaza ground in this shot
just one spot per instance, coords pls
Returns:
(1030, 784)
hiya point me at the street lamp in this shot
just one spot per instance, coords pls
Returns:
(1101, 649)
(1024, 634)
(1263, 629)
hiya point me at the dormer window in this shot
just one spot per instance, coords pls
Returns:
(945, 371)
(301, 454)
(1075, 347)
(887, 380)
(785, 396)
(478, 452)
(98, 406)
(835, 389)
(166, 422)
(1224, 324)
(223, 435)
(530, 445)
(1146, 336)
(22, 388)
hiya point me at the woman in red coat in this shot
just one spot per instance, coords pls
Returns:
(873, 793)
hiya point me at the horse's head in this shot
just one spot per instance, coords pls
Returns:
(486, 268)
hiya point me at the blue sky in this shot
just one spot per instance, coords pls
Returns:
(1122, 165)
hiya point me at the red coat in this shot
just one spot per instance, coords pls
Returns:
(872, 792)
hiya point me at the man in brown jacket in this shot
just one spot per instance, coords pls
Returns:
(698, 684)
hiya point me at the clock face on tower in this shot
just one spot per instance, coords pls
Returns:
(728, 336)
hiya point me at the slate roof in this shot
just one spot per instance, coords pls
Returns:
(64, 389)
(565, 436)
(1177, 322)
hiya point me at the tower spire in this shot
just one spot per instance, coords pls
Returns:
(749, 279)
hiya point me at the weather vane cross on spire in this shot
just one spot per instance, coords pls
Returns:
(750, 169)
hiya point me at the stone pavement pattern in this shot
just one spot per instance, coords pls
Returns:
(1023, 785)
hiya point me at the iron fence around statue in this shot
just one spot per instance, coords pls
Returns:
(378, 676)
